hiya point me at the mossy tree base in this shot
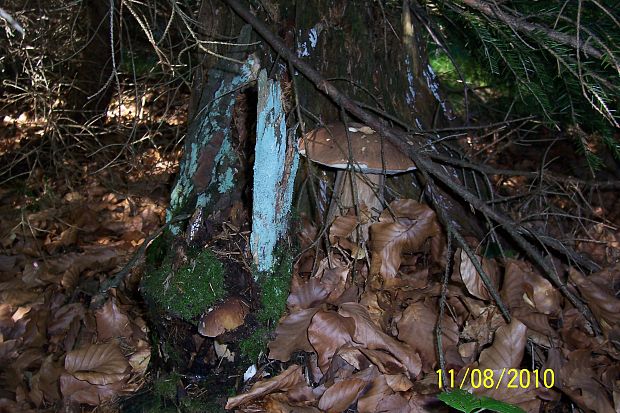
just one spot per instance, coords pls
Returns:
(179, 285)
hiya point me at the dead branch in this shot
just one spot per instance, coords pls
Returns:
(415, 149)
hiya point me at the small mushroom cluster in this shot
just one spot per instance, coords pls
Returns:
(362, 158)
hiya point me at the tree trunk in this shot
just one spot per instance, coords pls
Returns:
(374, 53)
(94, 82)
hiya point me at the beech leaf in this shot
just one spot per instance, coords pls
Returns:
(97, 363)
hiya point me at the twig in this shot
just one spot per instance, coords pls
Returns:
(10, 20)
(461, 241)
(442, 305)
(398, 139)
(117, 278)
(611, 184)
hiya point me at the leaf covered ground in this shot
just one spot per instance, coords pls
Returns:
(368, 328)
(361, 328)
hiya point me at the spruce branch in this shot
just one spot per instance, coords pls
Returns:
(515, 22)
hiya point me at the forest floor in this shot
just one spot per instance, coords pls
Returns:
(349, 338)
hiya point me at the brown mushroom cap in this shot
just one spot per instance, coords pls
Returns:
(328, 146)
(225, 317)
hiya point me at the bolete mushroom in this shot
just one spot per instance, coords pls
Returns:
(362, 159)
(225, 317)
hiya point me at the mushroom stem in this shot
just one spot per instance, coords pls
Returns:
(362, 188)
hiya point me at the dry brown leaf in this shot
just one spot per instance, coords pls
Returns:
(328, 331)
(63, 317)
(36, 326)
(292, 335)
(44, 384)
(574, 332)
(139, 360)
(378, 315)
(81, 391)
(505, 353)
(20, 297)
(345, 392)
(335, 279)
(386, 363)
(507, 348)
(374, 394)
(341, 229)
(407, 231)
(398, 382)
(467, 351)
(604, 304)
(341, 395)
(545, 297)
(535, 321)
(306, 294)
(98, 364)
(481, 329)
(278, 403)
(71, 265)
(112, 321)
(289, 378)
(368, 334)
(582, 384)
(416, 327)
(67, 238)
(514, 281)
(354, 357)
(472, 280)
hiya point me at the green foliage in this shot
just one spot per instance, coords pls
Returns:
(550, 78)
(464, 401)
(191, 289)
(137, 62)
(275, 287)
(252, 346)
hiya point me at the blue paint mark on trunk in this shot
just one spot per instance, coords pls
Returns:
(275, 166)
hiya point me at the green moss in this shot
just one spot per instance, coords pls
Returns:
(156, 252)
(252, 346)
(189, 291)
(194, 405)
(165, 387)
(275, 288)
(171, 353)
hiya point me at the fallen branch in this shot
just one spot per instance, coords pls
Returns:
(117, 278)
(611, 184)
(415, 151)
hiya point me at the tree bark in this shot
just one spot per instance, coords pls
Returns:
(374, 53)
(94, 73)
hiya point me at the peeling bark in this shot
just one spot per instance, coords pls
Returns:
(209, 166)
